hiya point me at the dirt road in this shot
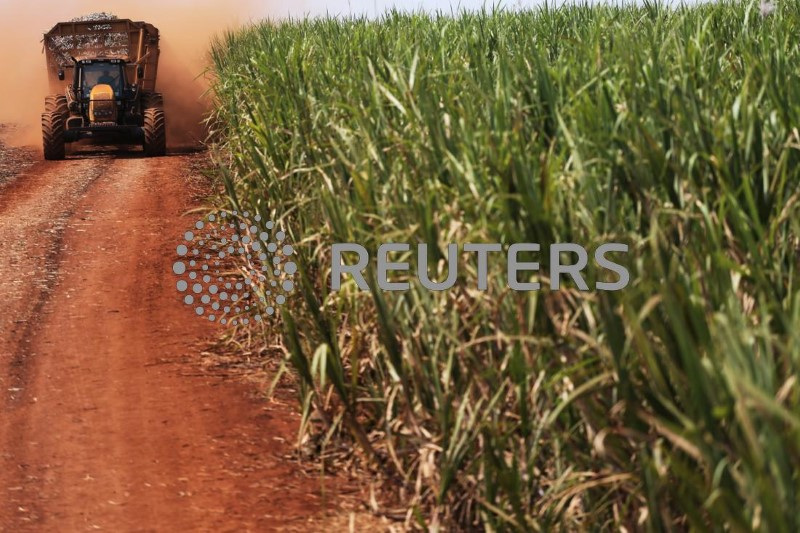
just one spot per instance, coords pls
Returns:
(106, 422)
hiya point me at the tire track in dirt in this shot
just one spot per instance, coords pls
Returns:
(34, 210)
(106, 425)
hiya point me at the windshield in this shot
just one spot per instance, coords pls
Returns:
(96, 73)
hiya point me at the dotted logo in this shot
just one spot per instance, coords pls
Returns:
(232, 270)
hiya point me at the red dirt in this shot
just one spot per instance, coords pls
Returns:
(107, 422)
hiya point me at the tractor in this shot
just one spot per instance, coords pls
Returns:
(102, 76)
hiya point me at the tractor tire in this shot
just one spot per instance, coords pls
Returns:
(155, 132)
(152, 100)
(56, 103)
(53, 140)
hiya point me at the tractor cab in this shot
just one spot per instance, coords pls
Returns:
(92, 72)
(100, 92)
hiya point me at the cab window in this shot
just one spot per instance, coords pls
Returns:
(101, 73)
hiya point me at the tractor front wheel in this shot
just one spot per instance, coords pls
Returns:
(155, 132)
(53, 136)
(56, 103)
(152, 100)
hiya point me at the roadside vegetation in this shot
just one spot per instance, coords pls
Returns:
(668, 405)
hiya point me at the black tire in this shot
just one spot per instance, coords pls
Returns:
(53, 136)
(155, 132)
(152, 100)
(56, 103)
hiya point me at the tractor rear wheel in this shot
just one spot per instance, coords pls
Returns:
(155, 132)
(53, 136)
(56, 103)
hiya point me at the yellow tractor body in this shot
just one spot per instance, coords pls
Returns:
(102, 106)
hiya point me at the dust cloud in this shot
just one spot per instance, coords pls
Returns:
(186, 28)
